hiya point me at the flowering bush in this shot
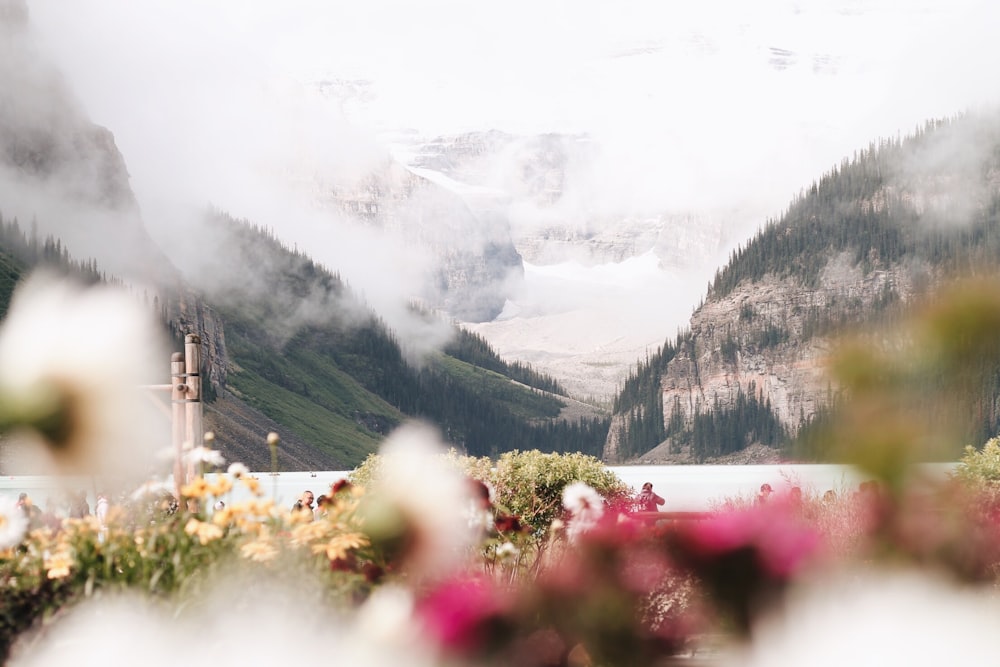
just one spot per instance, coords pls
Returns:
(518, 498)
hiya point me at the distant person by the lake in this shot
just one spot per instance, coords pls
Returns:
(101, 508)
(648, 499)
(322, 506)
(79, 507)
(31, 511)
(304, 503)
(765, 492)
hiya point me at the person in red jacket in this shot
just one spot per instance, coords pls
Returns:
(648, 500)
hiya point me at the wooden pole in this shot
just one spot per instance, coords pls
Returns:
(177, 390)
(192, 403)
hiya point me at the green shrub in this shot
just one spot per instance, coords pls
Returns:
(980, 466)
(526, 484)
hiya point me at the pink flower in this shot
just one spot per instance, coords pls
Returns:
(781, 541)
(746, 558)
(462, 614)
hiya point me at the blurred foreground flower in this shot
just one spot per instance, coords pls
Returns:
(585, 506)
(416, 511)
(72, 360)
(466, 615)
(13, 523)
(747, 558)
(198, 456)
(877, 617)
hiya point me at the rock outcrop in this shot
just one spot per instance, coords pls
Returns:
(475, 259)
(60, 170)
(758, 340)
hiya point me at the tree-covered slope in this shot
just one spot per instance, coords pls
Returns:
(876, 232)
(307, 352)
(301, 355)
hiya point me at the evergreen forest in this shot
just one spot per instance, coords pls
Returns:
(927, 200)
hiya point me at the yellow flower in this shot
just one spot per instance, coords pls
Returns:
(260, 551)
(41, 536)
(252, 484)
(58, 565)
(196, 488)
(140, 545)
(308, 532)
(298, 517)
(255, 507)
(82, 526)
(221, 487)
(250, 526)
(206, 532)
(224, 517)
(345, 506)
(338, 547)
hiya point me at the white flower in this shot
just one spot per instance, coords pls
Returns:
(13, 523)
(585, 506)
(480, 520)
(286, 624)
(72, 364)
(507, 551)
(432, 496)
(198, 455)
(579, 498)
(152, 488)
(387, 616)
(883, 617)
(238, 470)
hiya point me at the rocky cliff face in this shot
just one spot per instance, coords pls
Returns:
(770, 339)
(59, 169)
(188, 313)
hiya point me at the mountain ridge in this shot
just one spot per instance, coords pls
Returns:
(876, 233)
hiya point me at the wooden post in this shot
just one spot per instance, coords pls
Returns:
(192, 402)
(177, 390)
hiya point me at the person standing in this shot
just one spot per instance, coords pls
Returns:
(79, 507)
(304, 503)
(30, 510)
(101, 509)
(765, 492)
(648, 499)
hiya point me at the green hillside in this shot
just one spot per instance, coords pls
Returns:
(340, 379)
(306, 357)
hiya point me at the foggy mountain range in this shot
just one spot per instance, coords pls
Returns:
(545, 195)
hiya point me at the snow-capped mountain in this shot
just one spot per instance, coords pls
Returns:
(588, 268)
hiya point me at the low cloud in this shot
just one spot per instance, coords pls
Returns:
(724, 109)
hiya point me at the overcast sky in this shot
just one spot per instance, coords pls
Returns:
(693, 91)
(707, 105)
